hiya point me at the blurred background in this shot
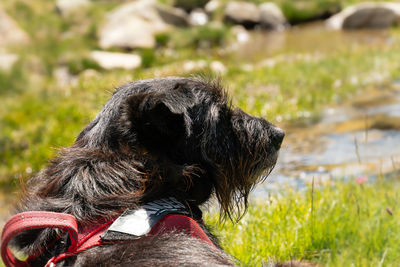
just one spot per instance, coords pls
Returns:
(326, 71)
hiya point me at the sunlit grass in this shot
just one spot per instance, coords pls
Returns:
(344, 224)
(38, 122)
(37, 115)
(347, 223)
(292, 90)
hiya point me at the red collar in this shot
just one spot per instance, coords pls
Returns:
(84, 239)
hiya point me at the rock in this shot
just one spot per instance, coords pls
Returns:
(243, 13)
(173, 16)
(271, 17)
(112, 60)
(198, 17)
(191, 66)
(218, 67)
(64, 78)
(133, 25)
(66, 7)
(7, 61)
(189, 5)
(10, 32)
(241, 34)
(89, 74)
(212, 6)
(366, 15)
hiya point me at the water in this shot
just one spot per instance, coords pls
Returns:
(360, 138)
(311, 38)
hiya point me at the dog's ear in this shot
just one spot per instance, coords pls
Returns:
(156, 119)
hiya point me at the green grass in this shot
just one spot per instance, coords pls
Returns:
(343, 224)
(348, 223)
(39, 121)
(292, 90)
(306, 10)
(37, 116)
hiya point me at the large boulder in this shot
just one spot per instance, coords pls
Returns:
(366, 15)
(133, 25)
(271, 17)
(267, 15)
(10, 32)
(243, 13)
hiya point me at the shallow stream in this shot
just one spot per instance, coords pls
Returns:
(312, 38)
(358, 139)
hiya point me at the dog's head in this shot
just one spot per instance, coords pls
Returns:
(187, 130)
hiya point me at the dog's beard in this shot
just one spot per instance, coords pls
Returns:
(233, 191)
(267, 171)
(260, 167)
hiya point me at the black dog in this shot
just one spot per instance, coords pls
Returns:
(154, 139)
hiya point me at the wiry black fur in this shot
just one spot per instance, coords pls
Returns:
(159, 137)
(172, 249)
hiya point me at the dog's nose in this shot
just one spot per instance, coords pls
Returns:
(277, 137)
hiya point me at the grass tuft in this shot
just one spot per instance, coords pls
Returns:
(345, 224)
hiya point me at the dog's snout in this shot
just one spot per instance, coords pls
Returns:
(277, 137)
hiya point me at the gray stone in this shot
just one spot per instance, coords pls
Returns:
(241, 34)
(112, 60)
(174, 16)
(271, 17)
(7, 61)
(366, 15)
(133, 25)
(198, 17)
(212, 6)
(66, 7)
(89, 74)
(10, 32)
(218, 67)
(63, 77)
(243, 13)
(191, 66)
